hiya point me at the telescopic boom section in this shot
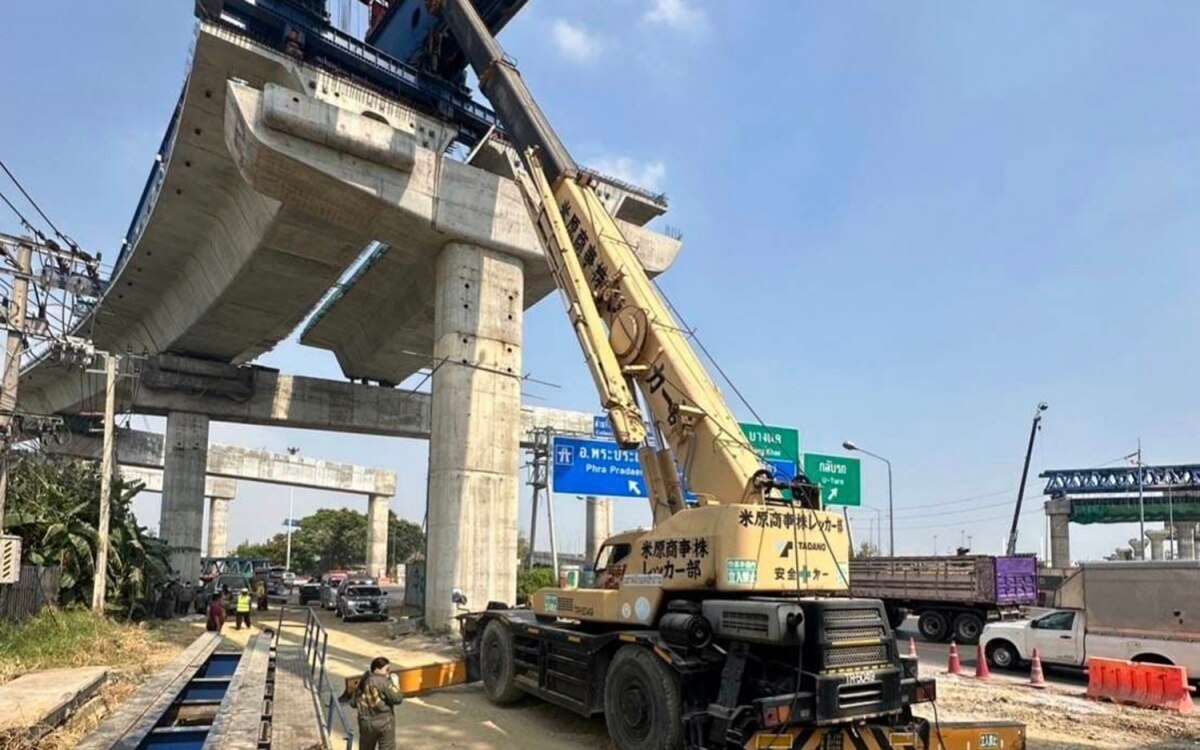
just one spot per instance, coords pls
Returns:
(624, 326)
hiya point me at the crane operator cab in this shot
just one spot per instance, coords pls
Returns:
(612, 558)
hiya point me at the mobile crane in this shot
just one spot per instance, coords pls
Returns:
(728, 623)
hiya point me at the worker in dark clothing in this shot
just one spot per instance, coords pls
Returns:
(216, 614)
(243, 608)
(187, 595)
(260, 594)
(377, 695)
(170, 600)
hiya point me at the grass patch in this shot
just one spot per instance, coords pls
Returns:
(54, 639)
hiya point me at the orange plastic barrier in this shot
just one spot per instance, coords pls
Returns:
(1152, 685)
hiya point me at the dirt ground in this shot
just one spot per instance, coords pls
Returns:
(461, 718)
(1061, 718)
(1057, 719)
(142, 652)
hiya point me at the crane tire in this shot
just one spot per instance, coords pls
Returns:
(642, 705)
(497, 663)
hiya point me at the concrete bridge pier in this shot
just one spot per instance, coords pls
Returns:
(218, 526)
(597, 526)
(474, 450)
(1059, 512)
(1185, 540)
(377, 534)
(1156, 537)
(184, 468)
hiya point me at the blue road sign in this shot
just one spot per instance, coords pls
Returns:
(595, 467)
(601, 468)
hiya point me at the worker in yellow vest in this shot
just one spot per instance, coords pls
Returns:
(243, 608)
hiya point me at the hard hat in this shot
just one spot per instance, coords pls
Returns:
(245, 590)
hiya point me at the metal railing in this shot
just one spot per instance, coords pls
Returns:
(316, 647)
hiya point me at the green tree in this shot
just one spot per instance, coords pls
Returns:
(406, 541)
(55, 509)
(336, 538)
(865, 549)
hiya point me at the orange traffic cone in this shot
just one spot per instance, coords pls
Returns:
(955, 666)
(1036, 678)
(981, 666)
(912, 648)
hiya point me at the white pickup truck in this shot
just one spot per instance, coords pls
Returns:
(1130, 611)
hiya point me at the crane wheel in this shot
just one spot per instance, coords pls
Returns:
(497, 664)
(642, 706)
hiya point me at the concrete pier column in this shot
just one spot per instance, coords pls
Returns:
(218, 526)
(184, 467)
(1156, 537)
(474, 447)
(1139, 548)
(1059, 512)
(377, 535)
(1185, 540)
(598, 526)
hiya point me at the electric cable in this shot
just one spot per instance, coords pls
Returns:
(36, 207)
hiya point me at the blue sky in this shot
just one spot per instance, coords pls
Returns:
(904, 223)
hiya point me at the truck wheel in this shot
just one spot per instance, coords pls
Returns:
(641, 702)
(967, 628)
(1002, 655)
(496, 662)
(896, 617)
(934, 626)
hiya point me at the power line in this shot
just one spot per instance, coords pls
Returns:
(36, 207)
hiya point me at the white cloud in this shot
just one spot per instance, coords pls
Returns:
(675, 13)
(648, 175)
(574, 42)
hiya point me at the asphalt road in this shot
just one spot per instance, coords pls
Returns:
(937, 656)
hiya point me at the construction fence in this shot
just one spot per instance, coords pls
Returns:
(36, 587)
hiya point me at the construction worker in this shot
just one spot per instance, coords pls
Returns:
(377, 695)
(260, 594)
(243, 608)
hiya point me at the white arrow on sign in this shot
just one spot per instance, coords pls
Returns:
(833, 493)
(634, 488)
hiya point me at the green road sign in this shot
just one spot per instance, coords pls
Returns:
(840, 478)
(774, 443)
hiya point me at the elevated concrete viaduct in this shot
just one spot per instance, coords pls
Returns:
(144, 455)
(273, 177)
(220, 492)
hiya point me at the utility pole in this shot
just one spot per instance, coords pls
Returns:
(100, 575)
(1141, 501)
(1011, 548)
(287, 564)
(12, 362)
(539, 480)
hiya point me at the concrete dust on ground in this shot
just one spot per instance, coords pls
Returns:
(1060, 718)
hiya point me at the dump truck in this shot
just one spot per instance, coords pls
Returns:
(952, 596)
(1134, 611)
(729, 623)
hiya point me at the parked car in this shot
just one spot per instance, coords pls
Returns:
(362, 601)
(355, 580)
(234, 582)
(329, 588)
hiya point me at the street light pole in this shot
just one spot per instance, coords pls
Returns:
(850, 446)
(287, 565)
